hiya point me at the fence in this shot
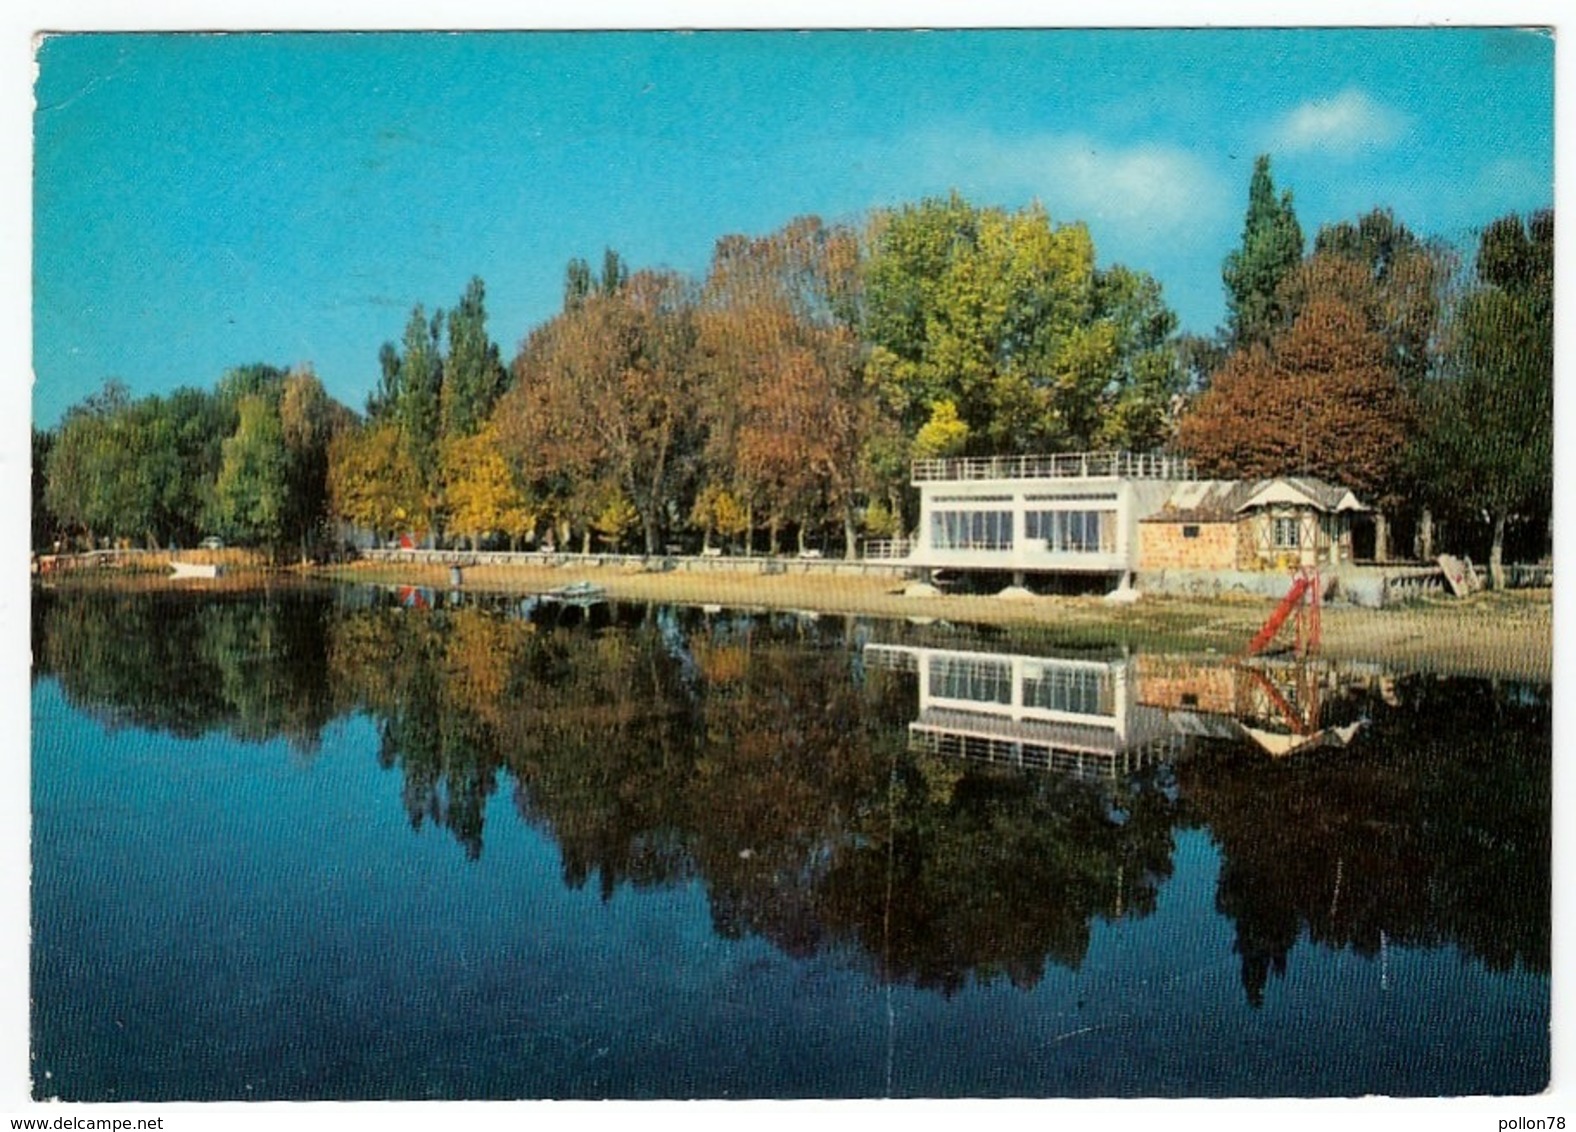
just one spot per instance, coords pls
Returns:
(1068, 465)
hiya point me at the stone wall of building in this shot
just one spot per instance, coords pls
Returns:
(1164, 546)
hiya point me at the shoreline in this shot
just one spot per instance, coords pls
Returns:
(1507, 634)
(1493, 635)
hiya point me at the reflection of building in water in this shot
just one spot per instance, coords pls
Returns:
(1072, 715)
(1281, 705)
(1105, 719)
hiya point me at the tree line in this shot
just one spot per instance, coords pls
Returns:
(785, 392)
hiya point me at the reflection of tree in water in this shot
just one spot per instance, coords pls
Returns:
(434, 683)
(1434, 829)
(994, 872)
(786, 785)
(756, 756)
(190, 664)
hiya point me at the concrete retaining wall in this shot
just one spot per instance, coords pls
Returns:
(652, 563)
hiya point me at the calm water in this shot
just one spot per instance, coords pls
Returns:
(381, 844)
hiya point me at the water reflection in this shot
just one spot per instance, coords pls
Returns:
(939, 811)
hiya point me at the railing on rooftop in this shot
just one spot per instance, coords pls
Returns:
(1066, 465)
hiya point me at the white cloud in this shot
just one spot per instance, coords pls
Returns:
(1344, 125)
(1148, 188)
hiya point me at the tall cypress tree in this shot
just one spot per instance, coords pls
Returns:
(1271, 246)
(473, 374)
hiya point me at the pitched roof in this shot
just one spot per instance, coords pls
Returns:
(1302, 490)
(1221, 501)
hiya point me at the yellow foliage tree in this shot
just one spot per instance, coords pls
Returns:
(481, 491)
(718, 510)
(615, 518)
(373, 482)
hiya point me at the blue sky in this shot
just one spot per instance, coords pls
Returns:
(206, 201)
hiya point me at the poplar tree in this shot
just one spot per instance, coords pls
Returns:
(1271, 247)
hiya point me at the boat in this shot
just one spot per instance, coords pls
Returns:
(577, 593)
(196, 569)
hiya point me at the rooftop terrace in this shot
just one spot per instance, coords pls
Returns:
(1065, 465)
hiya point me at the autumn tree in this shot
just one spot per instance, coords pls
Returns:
(783, 400)
(602, 399)
(1486, 446)
(1400, 284)
(481, 491)
(1320, 401)
(372, 480)
(1271, 246)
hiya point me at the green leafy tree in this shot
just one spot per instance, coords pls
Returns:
(1006, 316)
(1271, 246)
(578, 282)
(1486, 446)
(415, 398)
(251, 498)
(308, 420)
(473, 375)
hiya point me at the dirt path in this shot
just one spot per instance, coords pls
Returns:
(1507, 634)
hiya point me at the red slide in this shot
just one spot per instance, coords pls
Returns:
(1278, 618)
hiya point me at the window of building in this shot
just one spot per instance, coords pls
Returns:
(1285, 532)
(980, 681)
(1078, 691)
(1190, 531)
(971, 530)
(1085, 532)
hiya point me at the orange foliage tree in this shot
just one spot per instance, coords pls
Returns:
(1319, 400)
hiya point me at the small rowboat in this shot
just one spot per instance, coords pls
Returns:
(577, 593)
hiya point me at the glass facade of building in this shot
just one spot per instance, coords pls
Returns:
(1078, 532)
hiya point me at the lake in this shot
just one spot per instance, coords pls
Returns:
(372, 843)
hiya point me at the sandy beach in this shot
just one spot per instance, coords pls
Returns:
(1489, 634)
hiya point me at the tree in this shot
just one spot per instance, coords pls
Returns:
(308, 420)
(783, 400)
(1006, 316)
(1271, 246)
(251, 498)
(602, 397)
(1400, 284)
(473, 375)
(943, 435)
(412, 398)
(577, 283)
(45, 525)
(717, 511)
(480, 489)
(1320, 402)
(372, 480)
(1486, 446)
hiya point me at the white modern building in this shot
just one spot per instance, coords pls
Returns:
(1074, 513)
